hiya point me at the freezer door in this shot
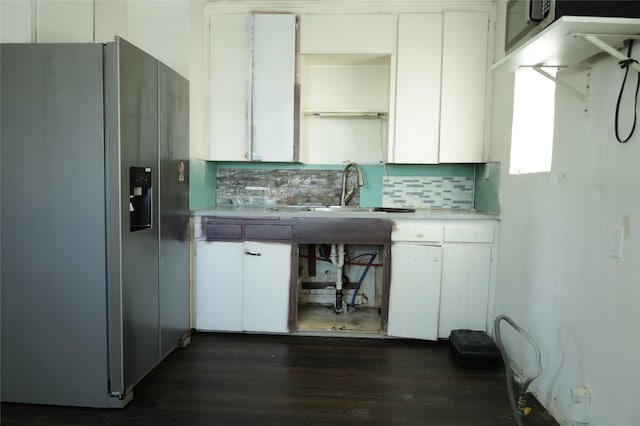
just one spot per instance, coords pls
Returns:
(132, 129)
(173, 114)
(53, 313)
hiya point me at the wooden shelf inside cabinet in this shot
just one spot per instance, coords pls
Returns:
(563, 43)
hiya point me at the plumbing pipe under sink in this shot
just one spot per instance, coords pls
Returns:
(337, 259)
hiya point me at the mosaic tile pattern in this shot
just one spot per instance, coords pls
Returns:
(292, 187)
(428, 192)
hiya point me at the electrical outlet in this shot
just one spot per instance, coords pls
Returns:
(617, 239)
(581, 404)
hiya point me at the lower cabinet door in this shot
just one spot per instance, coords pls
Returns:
(466, 273)
(265, 297)
(414, 297)
(218, 292)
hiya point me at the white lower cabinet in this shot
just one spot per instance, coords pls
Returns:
(464, 294)
(219, 286)
(265, 296)
(414, 297)
(242, 286)
(441, 273)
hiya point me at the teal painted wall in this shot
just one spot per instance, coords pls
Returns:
(202, 184)
(487, 187)
(203, 177)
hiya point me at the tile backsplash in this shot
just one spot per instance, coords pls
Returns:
(420, 192)
(303, 187)
(255, 187)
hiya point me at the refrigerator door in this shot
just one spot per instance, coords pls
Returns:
(53, 301)
(173, 115)
(132, 129)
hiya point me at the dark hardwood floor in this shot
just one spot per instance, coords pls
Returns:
(229, 379)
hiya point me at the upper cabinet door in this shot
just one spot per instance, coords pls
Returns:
(464, 82)
(441, 76)
(418, 74)
(230, 80)
(252, 86)
(342, 34)
(273, 83)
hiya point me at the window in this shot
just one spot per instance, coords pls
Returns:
(533, 118)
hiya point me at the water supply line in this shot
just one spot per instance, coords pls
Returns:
(337, 259)
(364, 273)
(521, 408)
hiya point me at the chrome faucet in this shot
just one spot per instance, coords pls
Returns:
(346, 196)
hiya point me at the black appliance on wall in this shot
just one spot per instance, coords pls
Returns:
(526, 18)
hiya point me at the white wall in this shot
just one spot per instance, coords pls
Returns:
(17, 21)
(159, 27)
(60, 21)
(555, 276)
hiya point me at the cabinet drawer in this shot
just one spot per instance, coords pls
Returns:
(418, 232)
(469, 234)
(268, 232)
(221, 231)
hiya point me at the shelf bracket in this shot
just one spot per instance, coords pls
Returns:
(584, 97)
(605, 47)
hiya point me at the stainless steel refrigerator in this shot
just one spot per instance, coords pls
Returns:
(94, 220)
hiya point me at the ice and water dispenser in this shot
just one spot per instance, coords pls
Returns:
(140, 198)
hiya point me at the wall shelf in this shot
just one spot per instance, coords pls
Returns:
(569, 41)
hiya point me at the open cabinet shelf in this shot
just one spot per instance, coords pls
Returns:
(347, 114)
(344, 108)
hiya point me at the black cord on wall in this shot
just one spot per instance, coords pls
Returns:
(626, 65)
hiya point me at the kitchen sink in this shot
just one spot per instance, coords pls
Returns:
(339, 209)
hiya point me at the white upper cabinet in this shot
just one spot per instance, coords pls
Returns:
(252, 82)
(345, 66)
(273, 84)
(418, 75)
(390, 86)
(230, 78)
(347, 33)
(440, 88)
(464, 82)
(344, 106)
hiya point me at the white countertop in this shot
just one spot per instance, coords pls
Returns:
(272, 212)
